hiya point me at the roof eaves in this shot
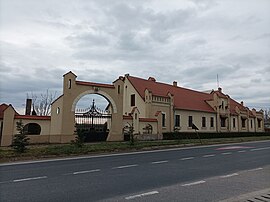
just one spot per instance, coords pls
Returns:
(196, 110)
(136, 88)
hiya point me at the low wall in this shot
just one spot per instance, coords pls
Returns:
(44, 139)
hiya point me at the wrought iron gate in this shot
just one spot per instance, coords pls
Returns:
(93, 122)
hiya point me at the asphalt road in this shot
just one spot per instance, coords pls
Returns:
(208, 173)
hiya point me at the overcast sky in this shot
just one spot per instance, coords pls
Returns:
(190, 41)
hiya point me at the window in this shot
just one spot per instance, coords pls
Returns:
(163, 120)
(233, 122)
(132, 100)
(58, 110)
(251, 124)
(190, 121)
(32, 129)
(177, 120)
(118, 89)
(212, 122)
(223, 122)
(259, 123)
(222, 105)
(69, 84)
(203, 122)
(243, 123)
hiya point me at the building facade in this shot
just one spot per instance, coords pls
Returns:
(149, 107)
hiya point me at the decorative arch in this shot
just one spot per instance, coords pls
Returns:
(100, 92)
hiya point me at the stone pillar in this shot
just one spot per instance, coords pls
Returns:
(8, 126)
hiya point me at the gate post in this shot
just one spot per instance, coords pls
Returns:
(115, 133)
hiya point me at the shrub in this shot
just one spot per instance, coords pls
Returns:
(80, 137)
(20, 140)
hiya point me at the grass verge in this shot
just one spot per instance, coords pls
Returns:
(35, 152)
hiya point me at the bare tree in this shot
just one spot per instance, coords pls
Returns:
(42, 104)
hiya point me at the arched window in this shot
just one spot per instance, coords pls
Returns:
(32, 129)
(58, 110)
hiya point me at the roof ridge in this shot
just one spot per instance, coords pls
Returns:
(158, 82)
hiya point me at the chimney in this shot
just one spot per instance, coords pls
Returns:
(219, 89)
(175, 83)
(151, 79)
(242, 103)
(28, 106)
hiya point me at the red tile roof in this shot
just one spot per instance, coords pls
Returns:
(140, 119)
(219, 94)
(2, 109)
(32, 117)
(94, 84)
(127, 117)
(183, 98)
(233, 104)
(147, 120)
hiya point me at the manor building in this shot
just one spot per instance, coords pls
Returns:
(177, 108)
(149, 106)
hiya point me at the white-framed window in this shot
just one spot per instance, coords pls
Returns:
(177, 120)
(203, 122)
(163, 119)
(212, 122)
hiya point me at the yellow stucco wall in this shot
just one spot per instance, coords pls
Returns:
(197, 120)
(139, 102)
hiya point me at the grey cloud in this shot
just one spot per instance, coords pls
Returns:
(100, 40)
(88, 40)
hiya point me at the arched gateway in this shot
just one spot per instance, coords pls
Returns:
(63, 109)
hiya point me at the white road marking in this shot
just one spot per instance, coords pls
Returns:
(141, 195)
(242, 151)
(31, 178)
(85, 171)
(230, 175)
(126, 166)
(3, 182)
(226, 153)
(193, 183)
(209, 155)
(258, 149)
(187, 158)
(255, 169)
(158, 162)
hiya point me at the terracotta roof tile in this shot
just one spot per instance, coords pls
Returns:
(94, 84)
(233, 104)
(157, 113)
(127, 117)
(32, 117)
(220, 94)
(183, 98)
(147, 120)
(2, 109)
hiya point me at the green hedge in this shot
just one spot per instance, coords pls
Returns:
(186, 135)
